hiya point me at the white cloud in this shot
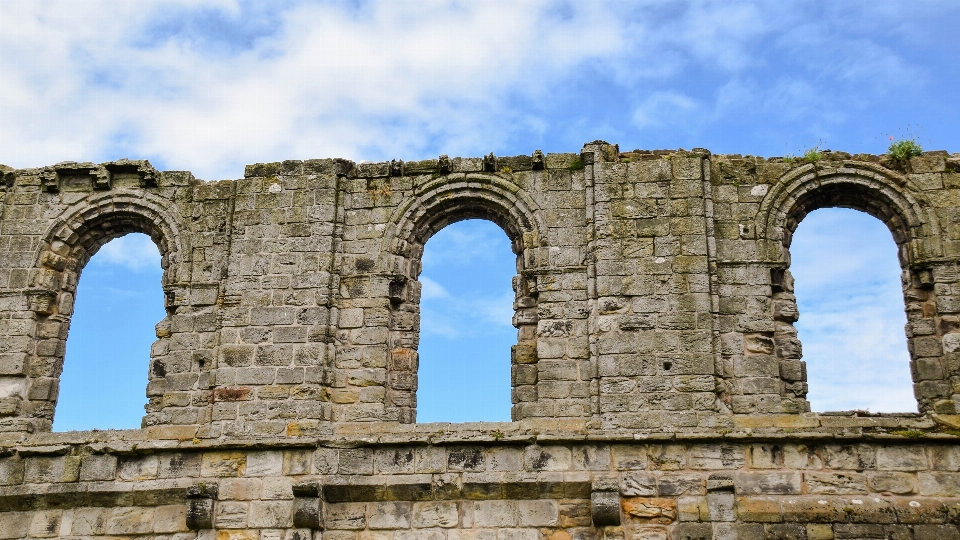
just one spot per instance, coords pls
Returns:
(431, 289)
(470, 243)
(494, 311)
(210, 88)
(135, 252)
(438, 323)
(662, 108)
(851, 313)
(330, 81)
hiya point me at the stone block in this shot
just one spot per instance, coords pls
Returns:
(430, 459)
(241, 489)
(269, 463)
(855, 457)
(231, 515)
(936, 532)
(768, 483)
(900, 458)
(435, 514)
(673, 484)
(41, 470)
(389, 515)
(538, 513)
(394, 461)
(638, 484)
(45, 524)
(758, 509)
(223, 464)
(355, 461)
(170, 519)
(939, 484)
(547, 458)
(178, 465)
(496, 513)
(270, 514)
(892, 482)
(84, 522)
(98, 467)
(13, 524)
(835, 483)
(129, 521)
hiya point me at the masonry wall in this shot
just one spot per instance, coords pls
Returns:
(654, 311)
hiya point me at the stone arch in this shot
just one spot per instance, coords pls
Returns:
(439, 203)
(883, 194)
(64, 250)
(889, 197)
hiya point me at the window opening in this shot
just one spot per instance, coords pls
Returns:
(850, 298)
(118, 302)
(466, 308)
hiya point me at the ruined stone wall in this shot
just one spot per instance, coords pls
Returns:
(658, 385)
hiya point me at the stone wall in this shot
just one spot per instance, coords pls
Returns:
(658, 385)
(498, 481)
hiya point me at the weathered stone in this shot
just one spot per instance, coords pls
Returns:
(656, 360)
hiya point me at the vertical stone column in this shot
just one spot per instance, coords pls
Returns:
(272, 353)
(655, 321)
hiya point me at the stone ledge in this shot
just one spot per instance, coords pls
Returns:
(808, 427)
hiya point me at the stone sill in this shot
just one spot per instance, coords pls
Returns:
(813, 427)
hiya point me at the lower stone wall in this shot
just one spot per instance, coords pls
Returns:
(496, 482)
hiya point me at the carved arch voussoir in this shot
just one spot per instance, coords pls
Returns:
(910, 218)
(450, 199)
(88, 224)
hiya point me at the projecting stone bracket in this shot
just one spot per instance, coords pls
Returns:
(200, 502)
(72, 176)
(41, 301)
(605, 508)
(308, 506)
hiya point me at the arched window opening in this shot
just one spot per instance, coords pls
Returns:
(466, 307)
(849, 294)
(118, 302)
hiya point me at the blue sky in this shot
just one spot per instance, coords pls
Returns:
(211, 87)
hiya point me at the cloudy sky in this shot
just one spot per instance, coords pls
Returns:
(211, 87)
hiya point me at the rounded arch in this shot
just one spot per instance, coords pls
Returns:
(64, 249)
(438, 203)
(89, 224)
(447, 200)
(888, 196)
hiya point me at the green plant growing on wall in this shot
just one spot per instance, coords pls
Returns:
(904, 149)
(576, 165)
(813, 155)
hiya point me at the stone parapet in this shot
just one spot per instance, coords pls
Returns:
(477, 481)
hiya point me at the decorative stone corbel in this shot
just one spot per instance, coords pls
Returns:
(605, 508)
(101, 178)
(396, 167)
(538, 160)
(307, 506)
(490, 163)
(200, 500)
(41, 301)
(49, 181)
(344, 167)
(924, 277)
(777, 283)
(444, 164)
(142, 168)
(398, 290)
